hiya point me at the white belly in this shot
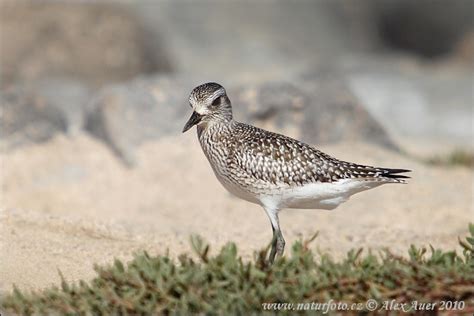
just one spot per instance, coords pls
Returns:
(237, 190)
(309, 196)
(317, 195)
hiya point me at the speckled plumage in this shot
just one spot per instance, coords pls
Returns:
(253, 156)
(274, 170)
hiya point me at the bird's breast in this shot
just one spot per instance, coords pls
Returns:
(218, 150)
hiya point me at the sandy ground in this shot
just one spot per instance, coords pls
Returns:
(69, 203)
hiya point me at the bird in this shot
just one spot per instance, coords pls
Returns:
(273, 170)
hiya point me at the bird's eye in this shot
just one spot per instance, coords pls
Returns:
(216, 102)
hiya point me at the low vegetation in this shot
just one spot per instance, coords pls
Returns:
(456, 158)
(225, 284)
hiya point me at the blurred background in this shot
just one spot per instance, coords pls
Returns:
(94, 97)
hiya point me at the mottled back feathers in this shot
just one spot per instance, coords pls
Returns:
(249, 155)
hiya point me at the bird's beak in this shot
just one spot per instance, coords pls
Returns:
(193, 120)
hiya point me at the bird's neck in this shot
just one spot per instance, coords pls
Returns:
(215, 128)
(214, 139)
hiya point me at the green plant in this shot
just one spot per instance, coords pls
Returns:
(225, 284)
(456, 158)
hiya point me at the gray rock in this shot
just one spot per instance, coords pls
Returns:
(126, 115)
(316, 111)
(35, 112)
(337, 114)
(428, 28)
(428, 106)
(92, 42)
(224, 40)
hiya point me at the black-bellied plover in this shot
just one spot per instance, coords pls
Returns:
(273, 170)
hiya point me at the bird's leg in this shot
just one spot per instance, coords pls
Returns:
(278, 243)
(274, 246)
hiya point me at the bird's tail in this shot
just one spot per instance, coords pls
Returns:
(377, 174)
(392, 175)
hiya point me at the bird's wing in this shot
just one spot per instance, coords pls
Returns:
(279, 159)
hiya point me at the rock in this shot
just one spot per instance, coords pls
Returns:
(225, 41)
(125, 115)
(464, 50)
(337, 114)
(35, 112)
(316, 111)
(429, 28)
(94, 43)
(203, 38)
(417, 104)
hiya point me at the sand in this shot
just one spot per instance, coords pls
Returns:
(69, 203)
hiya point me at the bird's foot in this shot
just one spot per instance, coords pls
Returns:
(278, 247)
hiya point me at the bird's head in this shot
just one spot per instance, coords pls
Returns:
(210, 103)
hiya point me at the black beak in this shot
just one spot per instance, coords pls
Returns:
(193, 120)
